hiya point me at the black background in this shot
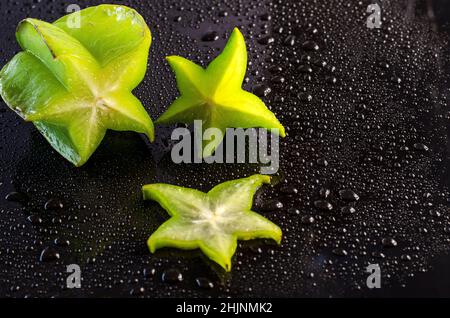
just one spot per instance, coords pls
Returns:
(107, 223)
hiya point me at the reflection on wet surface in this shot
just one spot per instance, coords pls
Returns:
(363, 175)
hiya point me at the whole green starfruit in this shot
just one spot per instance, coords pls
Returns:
(75, 76)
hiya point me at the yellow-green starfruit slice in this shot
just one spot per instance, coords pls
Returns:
(215, 96)
(74, 77)
(212, 221)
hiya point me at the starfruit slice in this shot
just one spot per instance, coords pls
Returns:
(215, 96)
(212, 221)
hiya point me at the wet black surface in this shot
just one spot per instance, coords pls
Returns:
(367, 114)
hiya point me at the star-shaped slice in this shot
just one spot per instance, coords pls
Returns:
(215, 95)
(212, 221)
(74, 77)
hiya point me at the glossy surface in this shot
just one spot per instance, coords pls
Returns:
(352, 126)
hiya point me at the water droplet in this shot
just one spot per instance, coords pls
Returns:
(405, 257)
(310, 46)
(348, 195)
(312, 30)
(277, 79)
(322, 162)
(378, 255)
(348, 210)
(293, 211)
(330, 79)
(340, 252)
(266, 40)
(49, 254)
(421, 147)
(324, 193)
(204, 283)
(17, 197)
(389, 242)
(305, 68)
(304, 97)
(34, 219)
(148, 272)
(262, 90)
(210, 36)
(265, 17)
(306, 220)
(305, 58)
(53, 204)
(172, 276)
(275, 69)
(272, 205)
(61, 242)
(137, 291)
(289, 40)
(289, 190)
(323, 205)
(396, 79)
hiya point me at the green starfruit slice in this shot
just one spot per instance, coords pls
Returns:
(215, 96)
(74, 81)
(212, 221)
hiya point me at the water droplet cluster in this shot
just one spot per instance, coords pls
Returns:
(363, 177)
